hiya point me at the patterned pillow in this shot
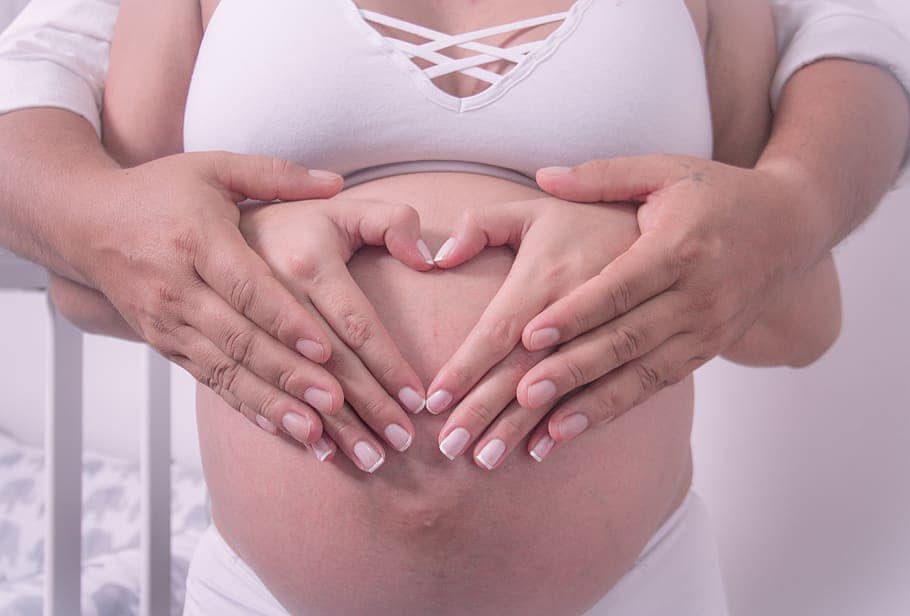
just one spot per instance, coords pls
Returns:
(110, 531)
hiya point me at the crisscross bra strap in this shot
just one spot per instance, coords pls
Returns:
(444, 65)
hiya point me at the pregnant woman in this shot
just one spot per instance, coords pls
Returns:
(454, 128)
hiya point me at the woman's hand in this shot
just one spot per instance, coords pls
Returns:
(559, 246)
(308, 245)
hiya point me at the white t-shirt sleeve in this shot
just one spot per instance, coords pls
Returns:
(873, 31)
(55, 54)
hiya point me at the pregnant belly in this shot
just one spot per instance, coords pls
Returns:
(426, 535)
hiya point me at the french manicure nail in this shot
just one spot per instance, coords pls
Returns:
(266, 425)
(543, 447)
(319, 399)
(322, 449)
(572, 426)
(398, 436)
(311, 350)
(297, 426)
(541, 392)
(369, 458)
(491, 453)
(425, 252)
(454, 443)
(412, 400)
(555, 170)
(319, 174)
(543, 338)
(438, 402)
(445, 250)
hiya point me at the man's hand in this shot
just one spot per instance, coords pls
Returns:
(717, 244)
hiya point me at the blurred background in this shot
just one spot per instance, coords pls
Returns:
(805, 471)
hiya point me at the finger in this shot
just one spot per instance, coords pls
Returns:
(343, 305)
(640, 273)
(368, 399)
(540, 443)
(601, 350)
(241, 389)
(236, 273)
(479, 228)
(495, 336)
(616, 179)
(616, 393)
(264, 356)
(509, 429)
(355, 440)
(483, 405)
(393, 225)
(266, 178)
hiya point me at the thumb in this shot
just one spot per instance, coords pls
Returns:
(630, 178)
(393, 225)
(490, 225)
(265, 178)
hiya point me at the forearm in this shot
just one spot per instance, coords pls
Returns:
(88, 309)
(798, 325)
(840, 134)
(51, 165)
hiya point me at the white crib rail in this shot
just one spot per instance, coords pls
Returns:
(63, 453)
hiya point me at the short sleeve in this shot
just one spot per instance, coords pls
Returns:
(55, 54)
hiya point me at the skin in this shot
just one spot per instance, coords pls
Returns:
(430, 513)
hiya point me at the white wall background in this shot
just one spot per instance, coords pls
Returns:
(806, 471)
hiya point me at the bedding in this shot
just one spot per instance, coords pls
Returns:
(111, 521)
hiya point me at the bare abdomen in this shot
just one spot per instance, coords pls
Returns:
(426, 535)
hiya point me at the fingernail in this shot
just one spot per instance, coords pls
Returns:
(266, 425)
(541, 392)
(555, 170)
(543, 338)
(445, 250)
(454, 443)
(319, 399)
(322, 449)
(297, 426)
(311, 350)
(572, 426)
(398, 436)
(411, 400)
(543, 447)
(319, 174)
(438, 402)
(425, 252)
(491, 453)
(370, 459)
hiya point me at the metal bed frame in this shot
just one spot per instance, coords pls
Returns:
(63, 455)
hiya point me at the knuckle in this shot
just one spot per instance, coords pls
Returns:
(269, 403)
(346, 431)
(239, 344)
(221, 376)
(359, 330)
(501, 333)
(302, 266)
(606, 403)
(403, 214)
(620, 296)
(371, 408)
(625, 344)
(686, 255)
(242, 294)
(460, 374)
(648, 376)
(478, 412)
(511, 428)
(187, 243)
(577, 374)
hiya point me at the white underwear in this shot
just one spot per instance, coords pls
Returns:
(677, 574)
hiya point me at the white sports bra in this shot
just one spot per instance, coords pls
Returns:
(312, 81)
